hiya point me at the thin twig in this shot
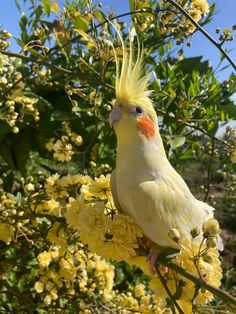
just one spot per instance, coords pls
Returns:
(209, 170)
(193, 126)
(208, 134)
(53, 50)
(205, 33)
(26, 58)
(168, 290)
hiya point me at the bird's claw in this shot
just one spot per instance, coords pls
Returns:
(151, 260)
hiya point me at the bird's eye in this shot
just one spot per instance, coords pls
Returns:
(138, 110)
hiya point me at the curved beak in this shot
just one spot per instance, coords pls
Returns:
(115, 115)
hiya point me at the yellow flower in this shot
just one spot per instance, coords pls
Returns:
(121, 239)
(202, 5)
(139, 290)
(57, 235)
(77, 179)
(50, 144)
(186, 307)
(44, 259)
(93, 224)
(38, 286)
(55, 252)
(157, 287)
(141, 262)
(115, 250)
(52, 207)
(54, 188)
(105, 274)
(77, 139)
(72, 211)
(125, 230)
(54, 276)
(29, 187)
(54, 293)
(6, 232)
(98, 188)
(213, 275)
(48, 300)
(62, 151)
(67, 269)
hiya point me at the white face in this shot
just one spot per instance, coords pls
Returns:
(119, 110)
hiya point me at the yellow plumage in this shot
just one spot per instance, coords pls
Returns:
(144, 184)
(131, 85)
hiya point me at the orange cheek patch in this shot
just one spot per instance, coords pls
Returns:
(147, 127)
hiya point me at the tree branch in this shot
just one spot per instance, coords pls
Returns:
(168, 290)
(227, 298)
(208, 134)
(205, 33)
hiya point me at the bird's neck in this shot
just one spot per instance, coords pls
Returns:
(142, 152)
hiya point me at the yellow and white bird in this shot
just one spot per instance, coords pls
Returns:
(144, 184)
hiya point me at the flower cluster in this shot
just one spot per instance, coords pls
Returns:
(195, 8)
(82, 227)
(198, 260)
(115, 236)
(74, 270)
(44, 77)
(4, 36)
(63, 149)
(18, 102)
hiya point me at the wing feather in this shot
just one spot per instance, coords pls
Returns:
(159, 206)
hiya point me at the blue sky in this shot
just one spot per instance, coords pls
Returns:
(9, 16)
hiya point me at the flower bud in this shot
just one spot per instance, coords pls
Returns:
(3, 81)
(174, 234)
(211, 242)
(211, 228)
(195, 232)
(15, 130)
(92, 164)
(207, 258)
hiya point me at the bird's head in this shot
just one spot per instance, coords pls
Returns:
(133, 115)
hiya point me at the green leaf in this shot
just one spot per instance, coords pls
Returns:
(62, 116)
(100, 16)
(176, 141)
(17, 5)
(168, 254)
(35, 54)
(230, 109)
(188, 154)
(132, 5)
(189, 65)
(47, 7)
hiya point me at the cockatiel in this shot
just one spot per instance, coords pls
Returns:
(144, 184)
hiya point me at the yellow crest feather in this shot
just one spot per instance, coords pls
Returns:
(131, 84)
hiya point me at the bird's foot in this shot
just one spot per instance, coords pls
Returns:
(155, 251)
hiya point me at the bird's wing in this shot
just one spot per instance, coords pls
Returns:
(114, 190)
(160, 206)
